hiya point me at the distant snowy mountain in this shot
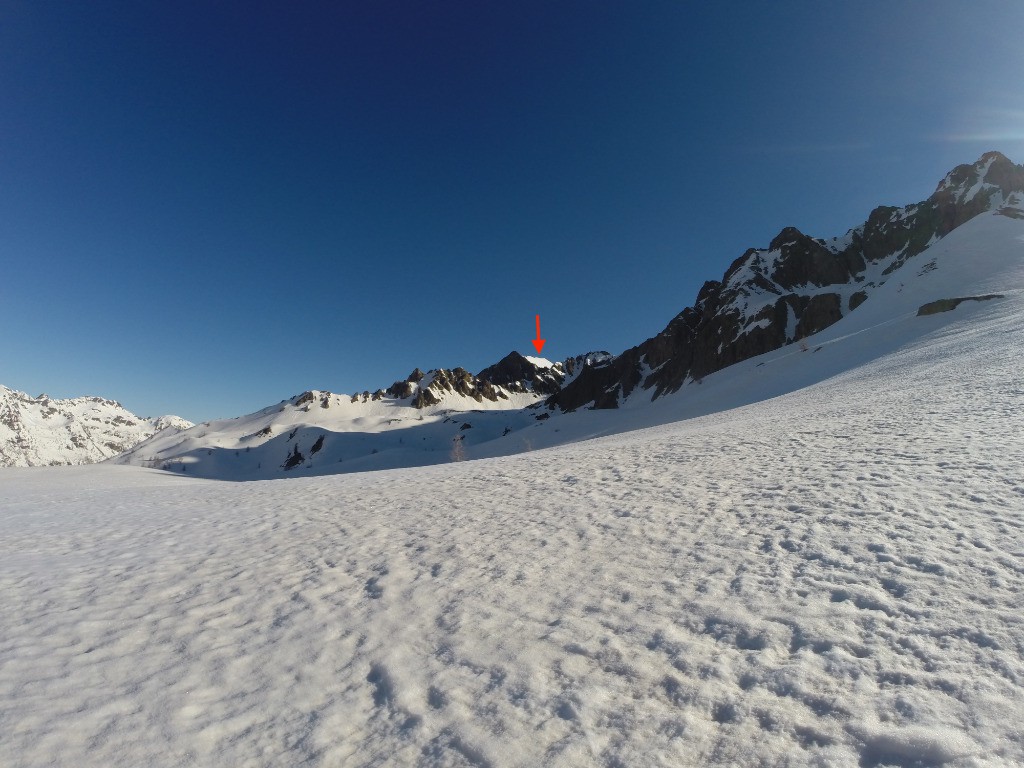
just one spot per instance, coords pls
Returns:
(427, 418)
(41, 431)
(801, 294)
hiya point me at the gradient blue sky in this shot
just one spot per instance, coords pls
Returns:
(206, 207)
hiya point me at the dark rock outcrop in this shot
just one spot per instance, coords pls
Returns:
(818, 313)
(425, 397)
(947, 305)
(293, 459)
(407, 388)
(806, 261)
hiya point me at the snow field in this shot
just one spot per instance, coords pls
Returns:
(832, 577)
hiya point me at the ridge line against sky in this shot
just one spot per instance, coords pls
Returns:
(208, 209)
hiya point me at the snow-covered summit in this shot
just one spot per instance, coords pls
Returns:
(161, 423)
(42, 431)
(538, 362)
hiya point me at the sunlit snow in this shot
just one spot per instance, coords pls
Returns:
(540, 362)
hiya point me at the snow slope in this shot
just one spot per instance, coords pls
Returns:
(833, 577)
(42, 431)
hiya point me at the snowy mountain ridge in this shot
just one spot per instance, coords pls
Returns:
(801, 294)
(43, 431)
(798, 286)
(420, 419)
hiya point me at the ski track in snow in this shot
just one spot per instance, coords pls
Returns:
(832, 577)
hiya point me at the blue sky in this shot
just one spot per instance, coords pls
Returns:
(208, 207)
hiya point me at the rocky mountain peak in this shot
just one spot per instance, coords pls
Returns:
(788, 236)
(993, 173)
(513, 361)
(516, 371)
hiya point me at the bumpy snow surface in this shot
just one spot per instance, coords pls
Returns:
(833, 577)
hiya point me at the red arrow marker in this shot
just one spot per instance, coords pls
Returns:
(538, 342)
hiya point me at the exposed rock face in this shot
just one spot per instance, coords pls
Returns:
(424, 398)
(818, 313)
(516, 373)
(857, 299)
(573, 365)
(293, 459)
(407, 388)
(948, 305)
(42, 431)
(513, 374)
(459, 381)
(805, 261)
(799, 285)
